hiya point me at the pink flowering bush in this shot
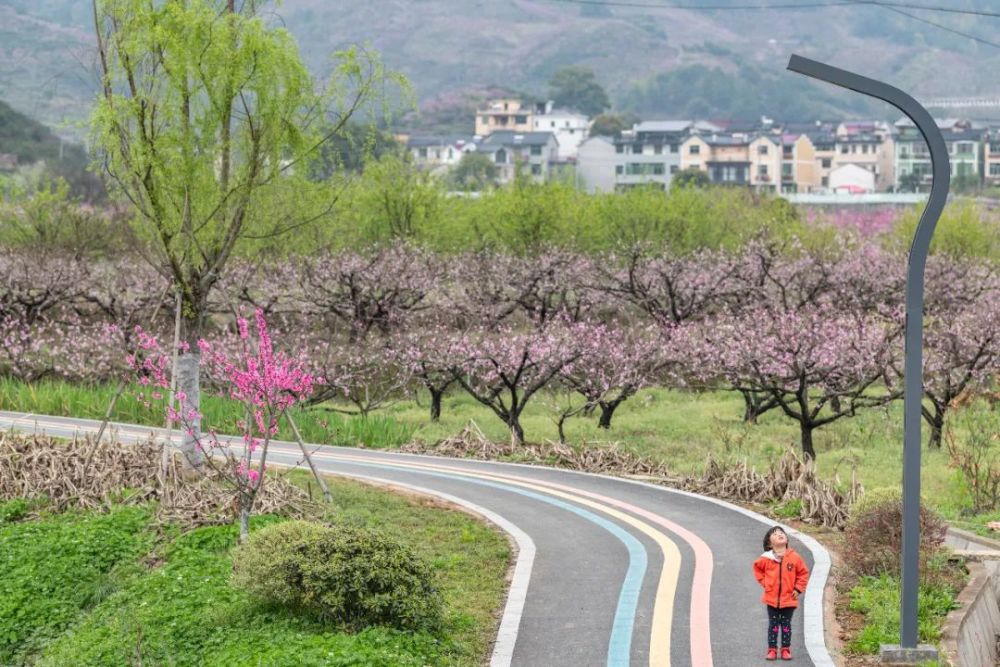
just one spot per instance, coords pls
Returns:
(266, 382)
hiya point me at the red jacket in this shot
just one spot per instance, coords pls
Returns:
(783, 580)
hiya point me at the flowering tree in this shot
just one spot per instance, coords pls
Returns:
(265, 382)
(614, 363)
(671, 289)
(428, 353)
(368, 292)
(365, 374)
(503, 369)
(490, 287)
(818, 363)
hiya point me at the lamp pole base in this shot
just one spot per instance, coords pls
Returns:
(894, 654)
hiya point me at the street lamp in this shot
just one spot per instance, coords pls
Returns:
(908, 651)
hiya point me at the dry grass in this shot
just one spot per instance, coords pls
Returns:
(35, 466)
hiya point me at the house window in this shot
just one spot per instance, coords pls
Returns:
(673, 148)
(761, 170)
(422, 153)
(572, 131)
(694, 150)
(864, 149)
(485, 120)
(536, 169)
(787, 152)
(674, 168)
(552, 123)
(619, 169)
(825, 163)
(825, 181)
(536, 150)
(843, 150)
(762, 149)
(520, 120)
(964, 147)
(501, 156)
(659, 168)
(995, 146)
(619, 148)
(786, 171)
(658, 149)
(995, 169)
(636, 149)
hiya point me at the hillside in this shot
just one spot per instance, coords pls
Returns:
(646, 57)
(33, 142)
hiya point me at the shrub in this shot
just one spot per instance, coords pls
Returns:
(354, 576)
(878, 599)
(976, 455)
(874, 533)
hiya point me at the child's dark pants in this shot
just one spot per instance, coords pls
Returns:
(779, 620)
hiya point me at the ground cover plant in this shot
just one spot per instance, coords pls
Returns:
(151, 592)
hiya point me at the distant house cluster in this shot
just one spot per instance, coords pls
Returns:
(851, 157)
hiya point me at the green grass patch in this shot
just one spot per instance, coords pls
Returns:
(878, 599)
(95, 590)
(54, 567)
(56, 397)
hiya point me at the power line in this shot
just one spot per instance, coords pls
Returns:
(888, 4)
(929, 8)
(648, 5)
(939, 25)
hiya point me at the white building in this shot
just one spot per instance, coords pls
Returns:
(595, 165)
(569, 127)
(437, 153)
(852, 179)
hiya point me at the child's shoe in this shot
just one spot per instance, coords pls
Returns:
(772, 654)
(786, 654)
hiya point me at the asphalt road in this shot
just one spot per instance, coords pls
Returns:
(609, 571)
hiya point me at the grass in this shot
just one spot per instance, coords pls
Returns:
(76, 591)
(878, 599)
(679, 428)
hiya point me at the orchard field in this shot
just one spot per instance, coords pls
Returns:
(677, 325)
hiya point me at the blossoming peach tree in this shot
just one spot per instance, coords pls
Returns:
(267, 383)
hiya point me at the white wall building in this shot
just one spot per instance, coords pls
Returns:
(569, 127)
(595, 165)
(852, 179)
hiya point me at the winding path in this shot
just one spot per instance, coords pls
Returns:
(609, 572)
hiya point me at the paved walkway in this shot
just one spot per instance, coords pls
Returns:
(609, 572)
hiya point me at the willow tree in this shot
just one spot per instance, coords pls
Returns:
(206, 122)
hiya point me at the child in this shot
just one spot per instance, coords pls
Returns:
(783, 575)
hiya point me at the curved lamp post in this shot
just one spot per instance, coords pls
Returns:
(908, 650)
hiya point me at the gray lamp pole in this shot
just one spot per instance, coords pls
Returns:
(908, 651)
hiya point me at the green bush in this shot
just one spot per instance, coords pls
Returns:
(357, 577)
(873, 536)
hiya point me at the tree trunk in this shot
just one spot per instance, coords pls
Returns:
(516, 430)
(936, 422)
(244, 520)
(436, 396)
(188, 381)
(607, 411)
(807, 440)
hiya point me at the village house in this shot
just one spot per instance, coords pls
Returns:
(964, 140)
(569, 127)
(735, 159)
(507, 114)
(439, 152)
(991, 156)
(532, 152)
